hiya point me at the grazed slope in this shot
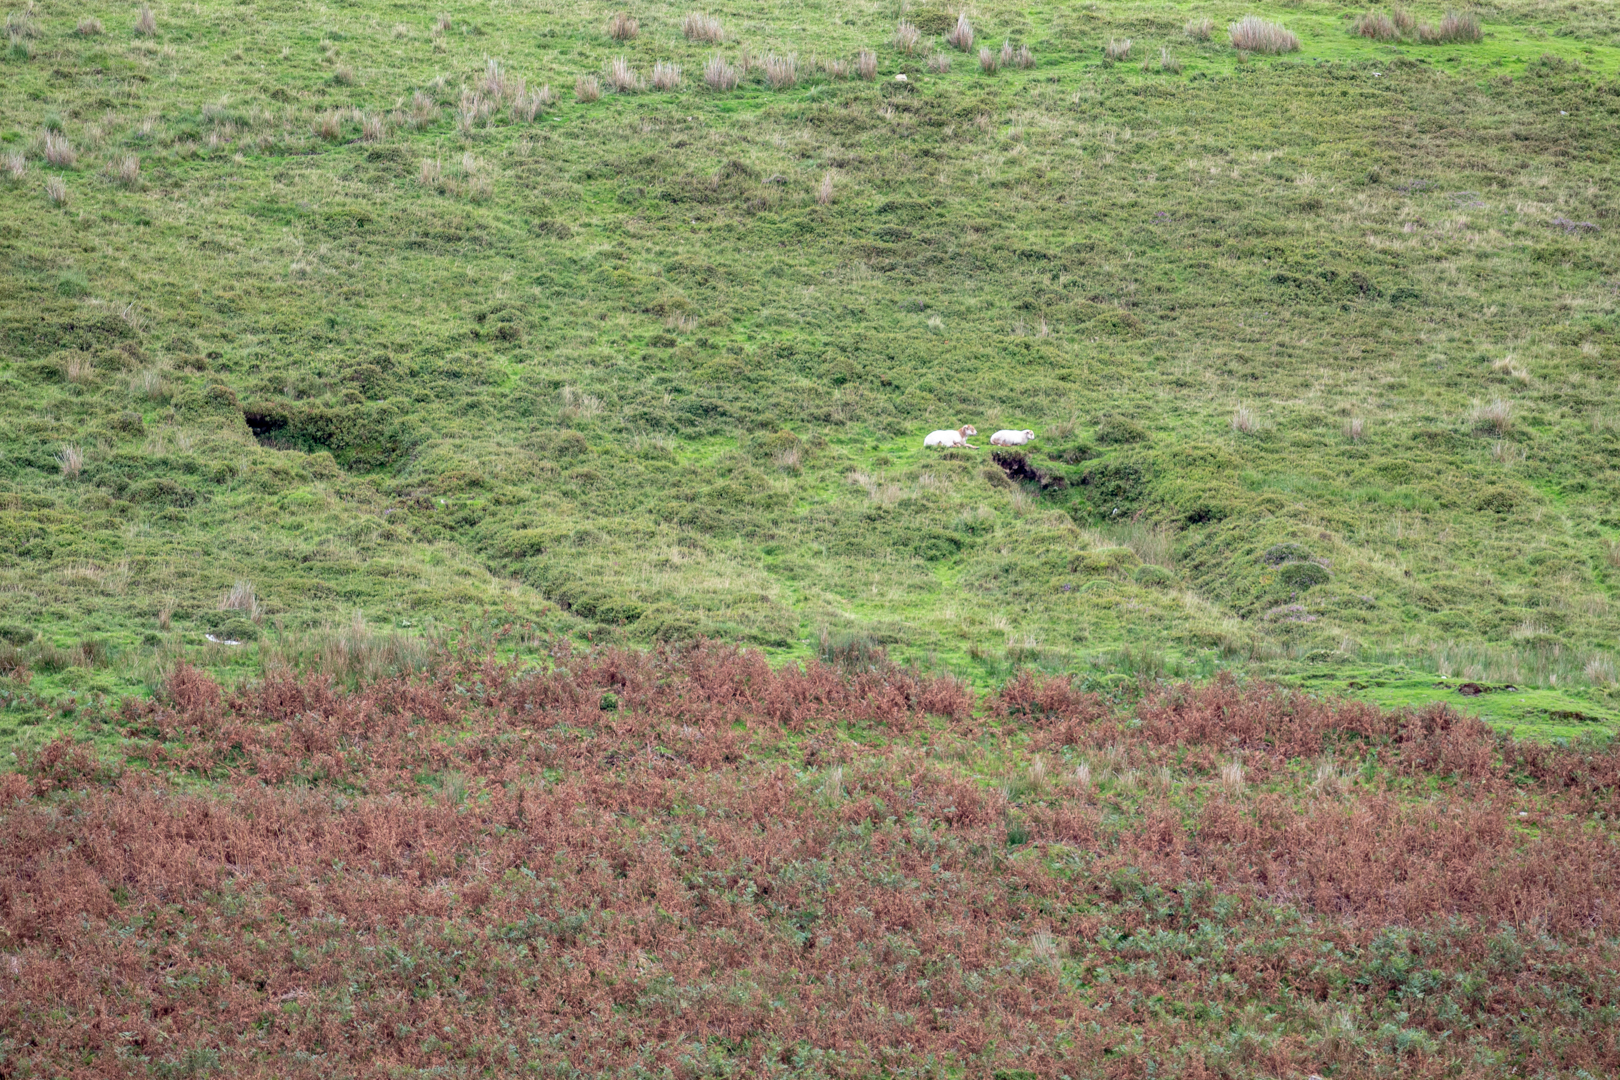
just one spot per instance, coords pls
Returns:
(617, 371)
(691, 862)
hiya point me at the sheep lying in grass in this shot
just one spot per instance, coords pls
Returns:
(1011, 438)
(948, 438)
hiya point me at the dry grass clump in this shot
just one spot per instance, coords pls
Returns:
(961, 35)
(1199, 29)
(907, 37)
(1243, 420)
(666, 76)
(1254, 34)
(1455, 27)
(146, 22)
(620, 77)
(698, 27)
(939, 63)
(56, 190)
(718, 74)
(623, 27)
(58, 151)
(1377, 26)
(781, 72)
(125, 170)
(89, 27)
(241, 597)
(431, 174)
(71, 460)
(329, 125)
(1495, 418)
(424, 111)
(835, 69)
(525, 107)
(987, 61)
(1117, 49)
(824, 190)
(587, 89)
(373, 128)
(1023, 59)
(1404, 20)
(1355, 428)
(150, 383)
(578, 405)
(344, 75)
(1168, 62)
(866, 64)
(1232, 777)
(16, 164)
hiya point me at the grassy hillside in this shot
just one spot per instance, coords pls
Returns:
(336, 304)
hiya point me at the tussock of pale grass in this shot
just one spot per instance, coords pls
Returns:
(495, 83)
(781, 72)
(1455, 27)
(146, 22)
(1199, 29)
(939, 63)
(1404, 20)
(1168, 62)
(1254, 34)
(1497, 417)
(344, 75)
(1599, 671)
(424, 111)
(1329, 780)
(1377, 26)
(1117, 49)
(1355, 428)
(620, 77)
(866, 64)
(329, 125)
(1232, 777)
(125, 170)
(718, 74)
(150, 383)
(432, 174)
(578, 405)
(907, 37)
(16, 165)
(987, 61)
(587, 89)
(698, 27)
(58, 151)
(56, 190)
(373, 128)
(961, 35)
(1023, 59)
(623, 27)
(1243, 420)
(71, 460)
(241, 597)
(90, 27)
(530, 105)
(824, 191)
(836, 69)
(666, 77)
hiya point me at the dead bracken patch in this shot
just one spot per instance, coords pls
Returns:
(688, 840)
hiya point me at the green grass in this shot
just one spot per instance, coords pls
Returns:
(618, 374)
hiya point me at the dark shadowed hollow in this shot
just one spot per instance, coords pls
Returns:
(685, 863)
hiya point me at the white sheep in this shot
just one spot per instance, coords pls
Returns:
(1011, 438)
(949, 438)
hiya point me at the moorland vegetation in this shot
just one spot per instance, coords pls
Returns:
(687, 863)
(627, 324)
